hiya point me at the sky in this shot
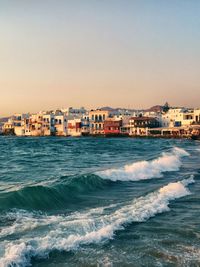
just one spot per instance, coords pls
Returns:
(93, 53)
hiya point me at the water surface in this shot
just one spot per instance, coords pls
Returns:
(99, 202)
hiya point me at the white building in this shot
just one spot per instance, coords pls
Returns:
(74, 112)
(177, 117)
(74, 127)
(60, 125)
(15, 124)
(197, 115)
(19, 123)
(85, 124)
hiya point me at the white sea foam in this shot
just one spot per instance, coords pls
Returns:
(27, 221)
(68, 233)
(143, 170)
(9, 187)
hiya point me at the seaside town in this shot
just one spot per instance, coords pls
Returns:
(158, 121)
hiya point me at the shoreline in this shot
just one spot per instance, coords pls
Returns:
(108, 136)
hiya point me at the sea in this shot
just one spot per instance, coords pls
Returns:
(93, 201)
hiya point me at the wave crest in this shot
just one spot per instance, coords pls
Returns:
(144, 170)
(68, 233)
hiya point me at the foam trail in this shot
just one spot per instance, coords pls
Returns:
(26, 221)
(69, 233)
(144, 170)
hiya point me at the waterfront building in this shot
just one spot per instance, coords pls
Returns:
(97, 118)
(125, 128)
(169, 118)
(60, 125)
(15, 125)
(35, 125)
(85, 124)
(20, 130)
(197, 116)
(112, 126)
(74, 127)
(8, 127)
(40, 124)
(177, 117)
(19, 123)
(140, 125)
(48, 124)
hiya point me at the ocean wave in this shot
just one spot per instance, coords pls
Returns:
(65, 190)
(9, 187)
(66, 233)
(144, 170)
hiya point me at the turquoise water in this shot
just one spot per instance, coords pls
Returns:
(99, 202)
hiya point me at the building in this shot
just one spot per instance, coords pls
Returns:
(48, 124)
(125, 128)
(85, 124)
(8, 127)
(15, 124)
(197, 116)
(177, 117)
(169, 118)
(140, 125)
(97, 118)
(74, 127)
(112, 126)
(34, 126)
(60, 125)
(41, 124)
(74, 112)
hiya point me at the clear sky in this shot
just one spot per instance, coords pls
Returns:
(96, 53)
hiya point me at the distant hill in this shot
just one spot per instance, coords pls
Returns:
(113, 109)
(157, 108)
(107, 108)
(2, 120)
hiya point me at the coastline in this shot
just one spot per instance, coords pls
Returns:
(189, 137)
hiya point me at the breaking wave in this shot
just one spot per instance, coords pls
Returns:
(143, 170)
(69, 190)
(66, 233)
(65, 191)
